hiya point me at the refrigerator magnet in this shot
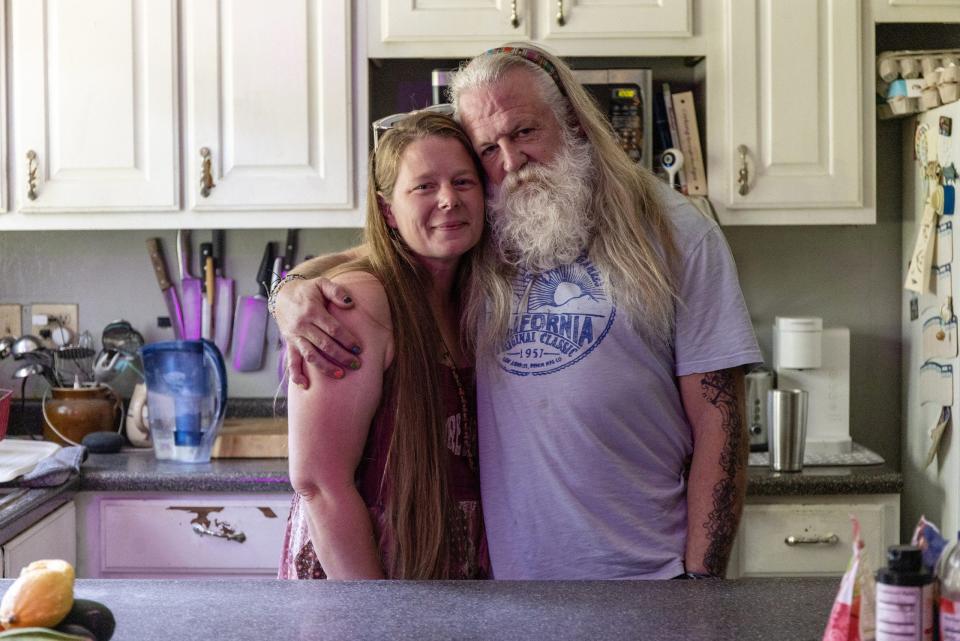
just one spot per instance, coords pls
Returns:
(936, 383)
(949, 199)
(944, 243)
(939, 338)
(921, 259)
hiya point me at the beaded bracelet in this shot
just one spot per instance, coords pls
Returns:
(272, 299)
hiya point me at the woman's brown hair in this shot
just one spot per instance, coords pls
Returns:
(418, 509)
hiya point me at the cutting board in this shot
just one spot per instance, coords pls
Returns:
(251, 438)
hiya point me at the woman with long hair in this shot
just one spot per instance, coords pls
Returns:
(384, 462)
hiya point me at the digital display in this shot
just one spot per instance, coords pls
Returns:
(626, 93)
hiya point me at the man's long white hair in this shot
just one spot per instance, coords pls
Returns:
(630, 239)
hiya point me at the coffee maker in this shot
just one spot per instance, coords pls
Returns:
(806, 356)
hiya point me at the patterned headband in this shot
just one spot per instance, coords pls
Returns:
(536, 58)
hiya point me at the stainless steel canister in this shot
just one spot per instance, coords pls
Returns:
(759, 382)
(787, 420)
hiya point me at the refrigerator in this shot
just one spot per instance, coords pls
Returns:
(931, 369)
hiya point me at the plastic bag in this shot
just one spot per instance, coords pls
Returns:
(853, 616)
(927, 537)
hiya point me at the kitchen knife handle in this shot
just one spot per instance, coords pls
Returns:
(183, 252)
(514, 19)
(219, 239)
(209, 278)
(561, 19)
(155, 250)
(290, 250)
(263, 273)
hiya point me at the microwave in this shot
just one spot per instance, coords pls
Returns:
(624, 95)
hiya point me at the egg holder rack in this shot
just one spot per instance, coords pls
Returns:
(915, 81)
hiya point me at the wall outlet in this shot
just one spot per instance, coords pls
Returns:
(59, 317)
(10, 320)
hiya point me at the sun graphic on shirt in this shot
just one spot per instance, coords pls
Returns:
(561, 285)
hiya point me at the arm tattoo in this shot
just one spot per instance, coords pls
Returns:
(719, 390)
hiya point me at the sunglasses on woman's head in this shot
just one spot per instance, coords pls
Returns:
(387, 123)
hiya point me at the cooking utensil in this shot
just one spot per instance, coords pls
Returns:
(224, 294)
(250, 323)
(191, 288)
(170, 298)
(25, 344)
(289, 257)
(275, 278)
(206, 265)
(73, 361)
(6, 345)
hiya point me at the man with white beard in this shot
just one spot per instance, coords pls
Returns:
(610, 333)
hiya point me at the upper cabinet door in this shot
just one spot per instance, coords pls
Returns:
(793, 104)
(452, 20)
(559, 19)
(94, 100)
(268, 104)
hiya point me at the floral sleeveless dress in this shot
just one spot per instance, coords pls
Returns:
(470, 559)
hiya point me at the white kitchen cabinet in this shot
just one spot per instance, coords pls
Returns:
(788, 137)
(94, 101)
(268, 102)
(155, 535)
(53, 537)
(784, 536)
(453, 28)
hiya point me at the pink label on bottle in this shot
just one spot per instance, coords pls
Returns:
(904, 613)
(949, 619)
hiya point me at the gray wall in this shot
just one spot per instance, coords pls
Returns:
(848, 275)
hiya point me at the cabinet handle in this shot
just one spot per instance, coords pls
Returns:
(829, 539)
(743, 176)
(206, 172)
(514, 18)
(223, 530)
(561, 20)
(31, 174)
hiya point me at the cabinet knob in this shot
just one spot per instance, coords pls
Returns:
(829, 539)
(206, 172)
(31, 174)
(514, 18)
(743, 176)
(561, 20)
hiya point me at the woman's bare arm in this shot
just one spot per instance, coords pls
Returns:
(329, 424)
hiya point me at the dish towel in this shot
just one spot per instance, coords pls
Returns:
(56, 468)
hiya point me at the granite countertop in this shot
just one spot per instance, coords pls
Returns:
(138, 470)
(755, 609)
(853, 479)
(22, 507)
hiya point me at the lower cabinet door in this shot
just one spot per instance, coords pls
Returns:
(191, 536)
(53, 537)
(812, 538)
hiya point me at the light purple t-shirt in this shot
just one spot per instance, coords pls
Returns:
(583, 437)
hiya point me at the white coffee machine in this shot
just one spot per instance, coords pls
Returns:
(806, 356)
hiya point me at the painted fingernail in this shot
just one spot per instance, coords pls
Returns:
(347, 300)
(338, 374)
(355, 365)
(356, 350)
